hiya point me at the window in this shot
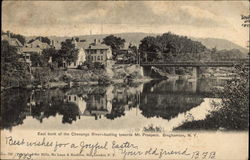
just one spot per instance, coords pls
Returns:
(101, 51)
(75, 98)
(74, 63)
(94, 58)
(101, 58)
(98, 58)
(69, 98)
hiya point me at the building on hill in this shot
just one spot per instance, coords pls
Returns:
(90, 52)
(35, 46)
(29, 50)
(97, 52)
(127, 54)
(18, 45)
(12, 42)
(81, 56)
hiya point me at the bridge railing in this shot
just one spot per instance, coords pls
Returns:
(196, 63)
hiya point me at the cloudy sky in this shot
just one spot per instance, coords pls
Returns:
(219, 19)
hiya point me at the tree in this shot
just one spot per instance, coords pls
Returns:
(13, 105)
(39, 60)
(20, 37)
(68, 51)
(169, 47)
(131, 55)
(116, 43)
(233, 112)
(14, 73)
(50, 52)
(149, 48)
(8, 53)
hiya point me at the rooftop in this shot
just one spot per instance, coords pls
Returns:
(83, 45)
(98, 46)
(12, 41)
(31, 49)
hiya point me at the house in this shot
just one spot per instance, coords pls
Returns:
(55, 44)
(13, 42)
(126, 54)
(18, 45)
(93, 52)
(29, 50)
(36, 46)
(81, 56)
(97, 52)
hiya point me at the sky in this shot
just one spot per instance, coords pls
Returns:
(214, 19)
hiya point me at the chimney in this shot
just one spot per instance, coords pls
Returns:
(95, 41)
(52, 43)
(8, 32)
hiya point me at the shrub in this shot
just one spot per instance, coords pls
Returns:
(98, 65)
(233, 112)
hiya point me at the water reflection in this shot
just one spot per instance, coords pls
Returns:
(156, 99)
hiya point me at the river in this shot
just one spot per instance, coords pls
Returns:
(152, 106)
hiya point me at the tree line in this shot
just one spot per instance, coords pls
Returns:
(171, 47)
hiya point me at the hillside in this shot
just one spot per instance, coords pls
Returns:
(220, 44)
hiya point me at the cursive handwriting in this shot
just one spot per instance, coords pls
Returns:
(106, 149)
(93, 147)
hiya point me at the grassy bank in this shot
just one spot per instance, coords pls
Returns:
(60, 77)
(44, 76)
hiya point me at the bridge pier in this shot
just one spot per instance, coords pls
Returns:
(196, 72)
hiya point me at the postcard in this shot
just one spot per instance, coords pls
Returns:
(83, 80)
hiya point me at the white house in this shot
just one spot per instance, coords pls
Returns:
(81, 56)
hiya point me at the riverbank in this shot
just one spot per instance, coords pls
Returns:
(210, 123)
(45, 77)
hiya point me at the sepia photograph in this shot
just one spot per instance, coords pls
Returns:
(121, 79)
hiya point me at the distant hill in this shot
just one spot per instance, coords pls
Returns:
(136, 37)
(220, 44)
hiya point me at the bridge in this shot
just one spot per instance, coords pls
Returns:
(195, 65)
